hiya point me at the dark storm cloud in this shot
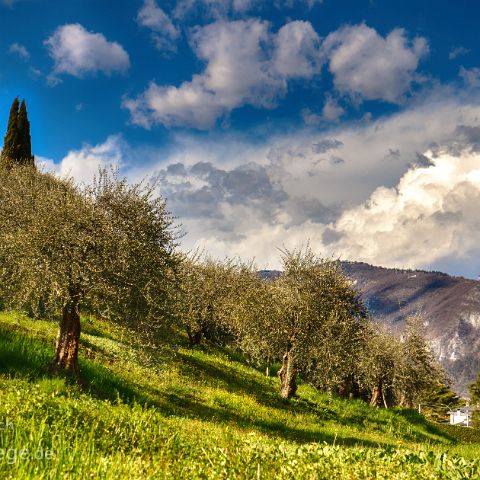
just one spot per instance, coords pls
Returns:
(208, 187)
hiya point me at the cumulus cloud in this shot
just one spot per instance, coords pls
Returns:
(322, 187)
(84, 164)
(19, 50)
(247, 64)
(164, 32)
(78, 52)
(430, 215)
(332, 111)
(296, 50)
(239, 71)
(364, 63)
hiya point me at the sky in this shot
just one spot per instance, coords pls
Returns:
(353, 125)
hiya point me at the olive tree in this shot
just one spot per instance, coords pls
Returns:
(310, 318)
(378, 366)
(108, 248)
(398, 370)
(203, 300)
(322, 320)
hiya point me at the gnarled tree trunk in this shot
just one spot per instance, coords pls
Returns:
(68, 337)
(288, 375)
(378, 397)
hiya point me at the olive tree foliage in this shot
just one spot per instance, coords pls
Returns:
(378, 366)
(204, 296)
(108, 248)
(311, 318)
(255, 316)
(398, 370)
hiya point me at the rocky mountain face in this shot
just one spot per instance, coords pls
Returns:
(449, 305)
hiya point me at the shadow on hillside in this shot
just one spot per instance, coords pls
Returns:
(26, 357)
(23, 356)
(179, 404)
(414, 418)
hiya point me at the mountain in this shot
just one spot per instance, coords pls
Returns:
(450, 306)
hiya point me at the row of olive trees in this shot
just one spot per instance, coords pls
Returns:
(310, 319)
(109, 249)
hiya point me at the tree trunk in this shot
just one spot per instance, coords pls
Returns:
(66, 349)
(194, 338)
(378, 398)
(406, 401)
(288, 376)
(348, 387)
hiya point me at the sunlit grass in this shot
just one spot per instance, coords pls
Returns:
(177, 413)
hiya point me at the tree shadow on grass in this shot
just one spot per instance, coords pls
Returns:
(23, 356)
(27, 357)
(418, 420)
(189, 406)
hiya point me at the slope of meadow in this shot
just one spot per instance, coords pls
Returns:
(176, 413)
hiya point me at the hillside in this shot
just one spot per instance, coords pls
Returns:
(450, 305)
(172, 412)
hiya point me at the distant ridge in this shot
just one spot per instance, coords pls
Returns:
(450, 305)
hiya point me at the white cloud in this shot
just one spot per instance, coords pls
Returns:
(224, 8)
(247, 64)
(164, 32)
(471, 76)
(429, 216)
(332, 111)
(84, 164)
(19, 50)
(78, 52)
(376, 68)
(296, 50)
(239, 71)
(316, 186)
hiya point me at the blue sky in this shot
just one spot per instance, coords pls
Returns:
(351, 124)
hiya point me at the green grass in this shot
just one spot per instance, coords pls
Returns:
(162, 413)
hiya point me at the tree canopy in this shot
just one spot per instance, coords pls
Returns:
(108, 248)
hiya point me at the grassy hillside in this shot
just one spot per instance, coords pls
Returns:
(177, 413)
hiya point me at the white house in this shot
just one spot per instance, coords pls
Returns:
(461, 416)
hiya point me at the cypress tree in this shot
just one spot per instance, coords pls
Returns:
(11, 138)
(17, 146)
(24, 145)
